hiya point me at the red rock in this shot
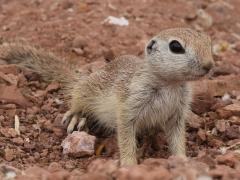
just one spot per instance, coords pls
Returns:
(202, 134)
(222, 172)
(108, 54)
(204, 19)
(58, 131)
(233, 132)
(230, 159)
(9, 154)
(9, 78)
(95, 176)
(9, 69)
(155, 162)
(8, 132)
(142, 172)
(79, 144)
(33, 110)
(40, 93)
(216, 143)
(184, 173)
(54, 166)
(53, 87)
(212, 115)
(224, 114)
(11, 94)
(44, 153)
(76, 174)
(201, 167)
(110, 166)
(80, 42)
(194, 121)
(221, 104)
(8, 172)
(78, 51)
(233, 108)
(58, 175)
(34, 173)
(18, 141)
(202, 103)
(206, 158)
(217, 87)
(220, 11)
(221, 125)
(7, 106)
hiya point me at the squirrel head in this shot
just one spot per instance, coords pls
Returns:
(179, 54)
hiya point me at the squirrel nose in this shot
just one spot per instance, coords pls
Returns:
(207, 66)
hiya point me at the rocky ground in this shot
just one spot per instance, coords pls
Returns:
(31, 110)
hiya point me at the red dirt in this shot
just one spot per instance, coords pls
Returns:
(75, 30)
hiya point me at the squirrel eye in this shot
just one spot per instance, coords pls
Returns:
(176, 47)
(150, 46)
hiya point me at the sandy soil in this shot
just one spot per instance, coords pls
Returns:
(75, 30)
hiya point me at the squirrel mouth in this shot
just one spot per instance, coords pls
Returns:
(197, 76)
(202, 74)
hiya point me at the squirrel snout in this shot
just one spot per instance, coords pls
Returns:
(207, 66)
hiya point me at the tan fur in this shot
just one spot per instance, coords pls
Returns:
(131, 94)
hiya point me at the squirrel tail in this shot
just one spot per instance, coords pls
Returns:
(47, 65)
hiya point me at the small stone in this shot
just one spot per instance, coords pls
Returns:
(76, 173)
(204, 177)
(110, 166)
(226, 97)
(229, 159)
(59, 175)
(44, 153)
(233, 132)
(143, 172)
(8, 172)
(9, 154)
(221, 11)
(54, 166)
(36, 173)
(204, 19)
(233, 108)
(79, 144)
(191, 16)
(221, 125)
(18, 141)
(36, 156)
(79, 42)
(229, 110)
(54, 86)
(33, 110)
(108, 54)
(202, 134)
(194, 121)
(8, 132)
(12, 94)
(78, 51)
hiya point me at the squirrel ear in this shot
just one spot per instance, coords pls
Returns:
(151, 46)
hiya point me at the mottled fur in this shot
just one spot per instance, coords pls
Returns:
(131, 94)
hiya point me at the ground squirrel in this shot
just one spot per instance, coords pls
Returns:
(130, 94)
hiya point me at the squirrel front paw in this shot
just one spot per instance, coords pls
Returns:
(72, 119)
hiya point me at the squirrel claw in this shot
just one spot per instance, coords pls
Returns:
(81, 124)
(66, 118)
(71, 120)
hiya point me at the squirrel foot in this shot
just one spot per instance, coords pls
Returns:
(71, 120)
